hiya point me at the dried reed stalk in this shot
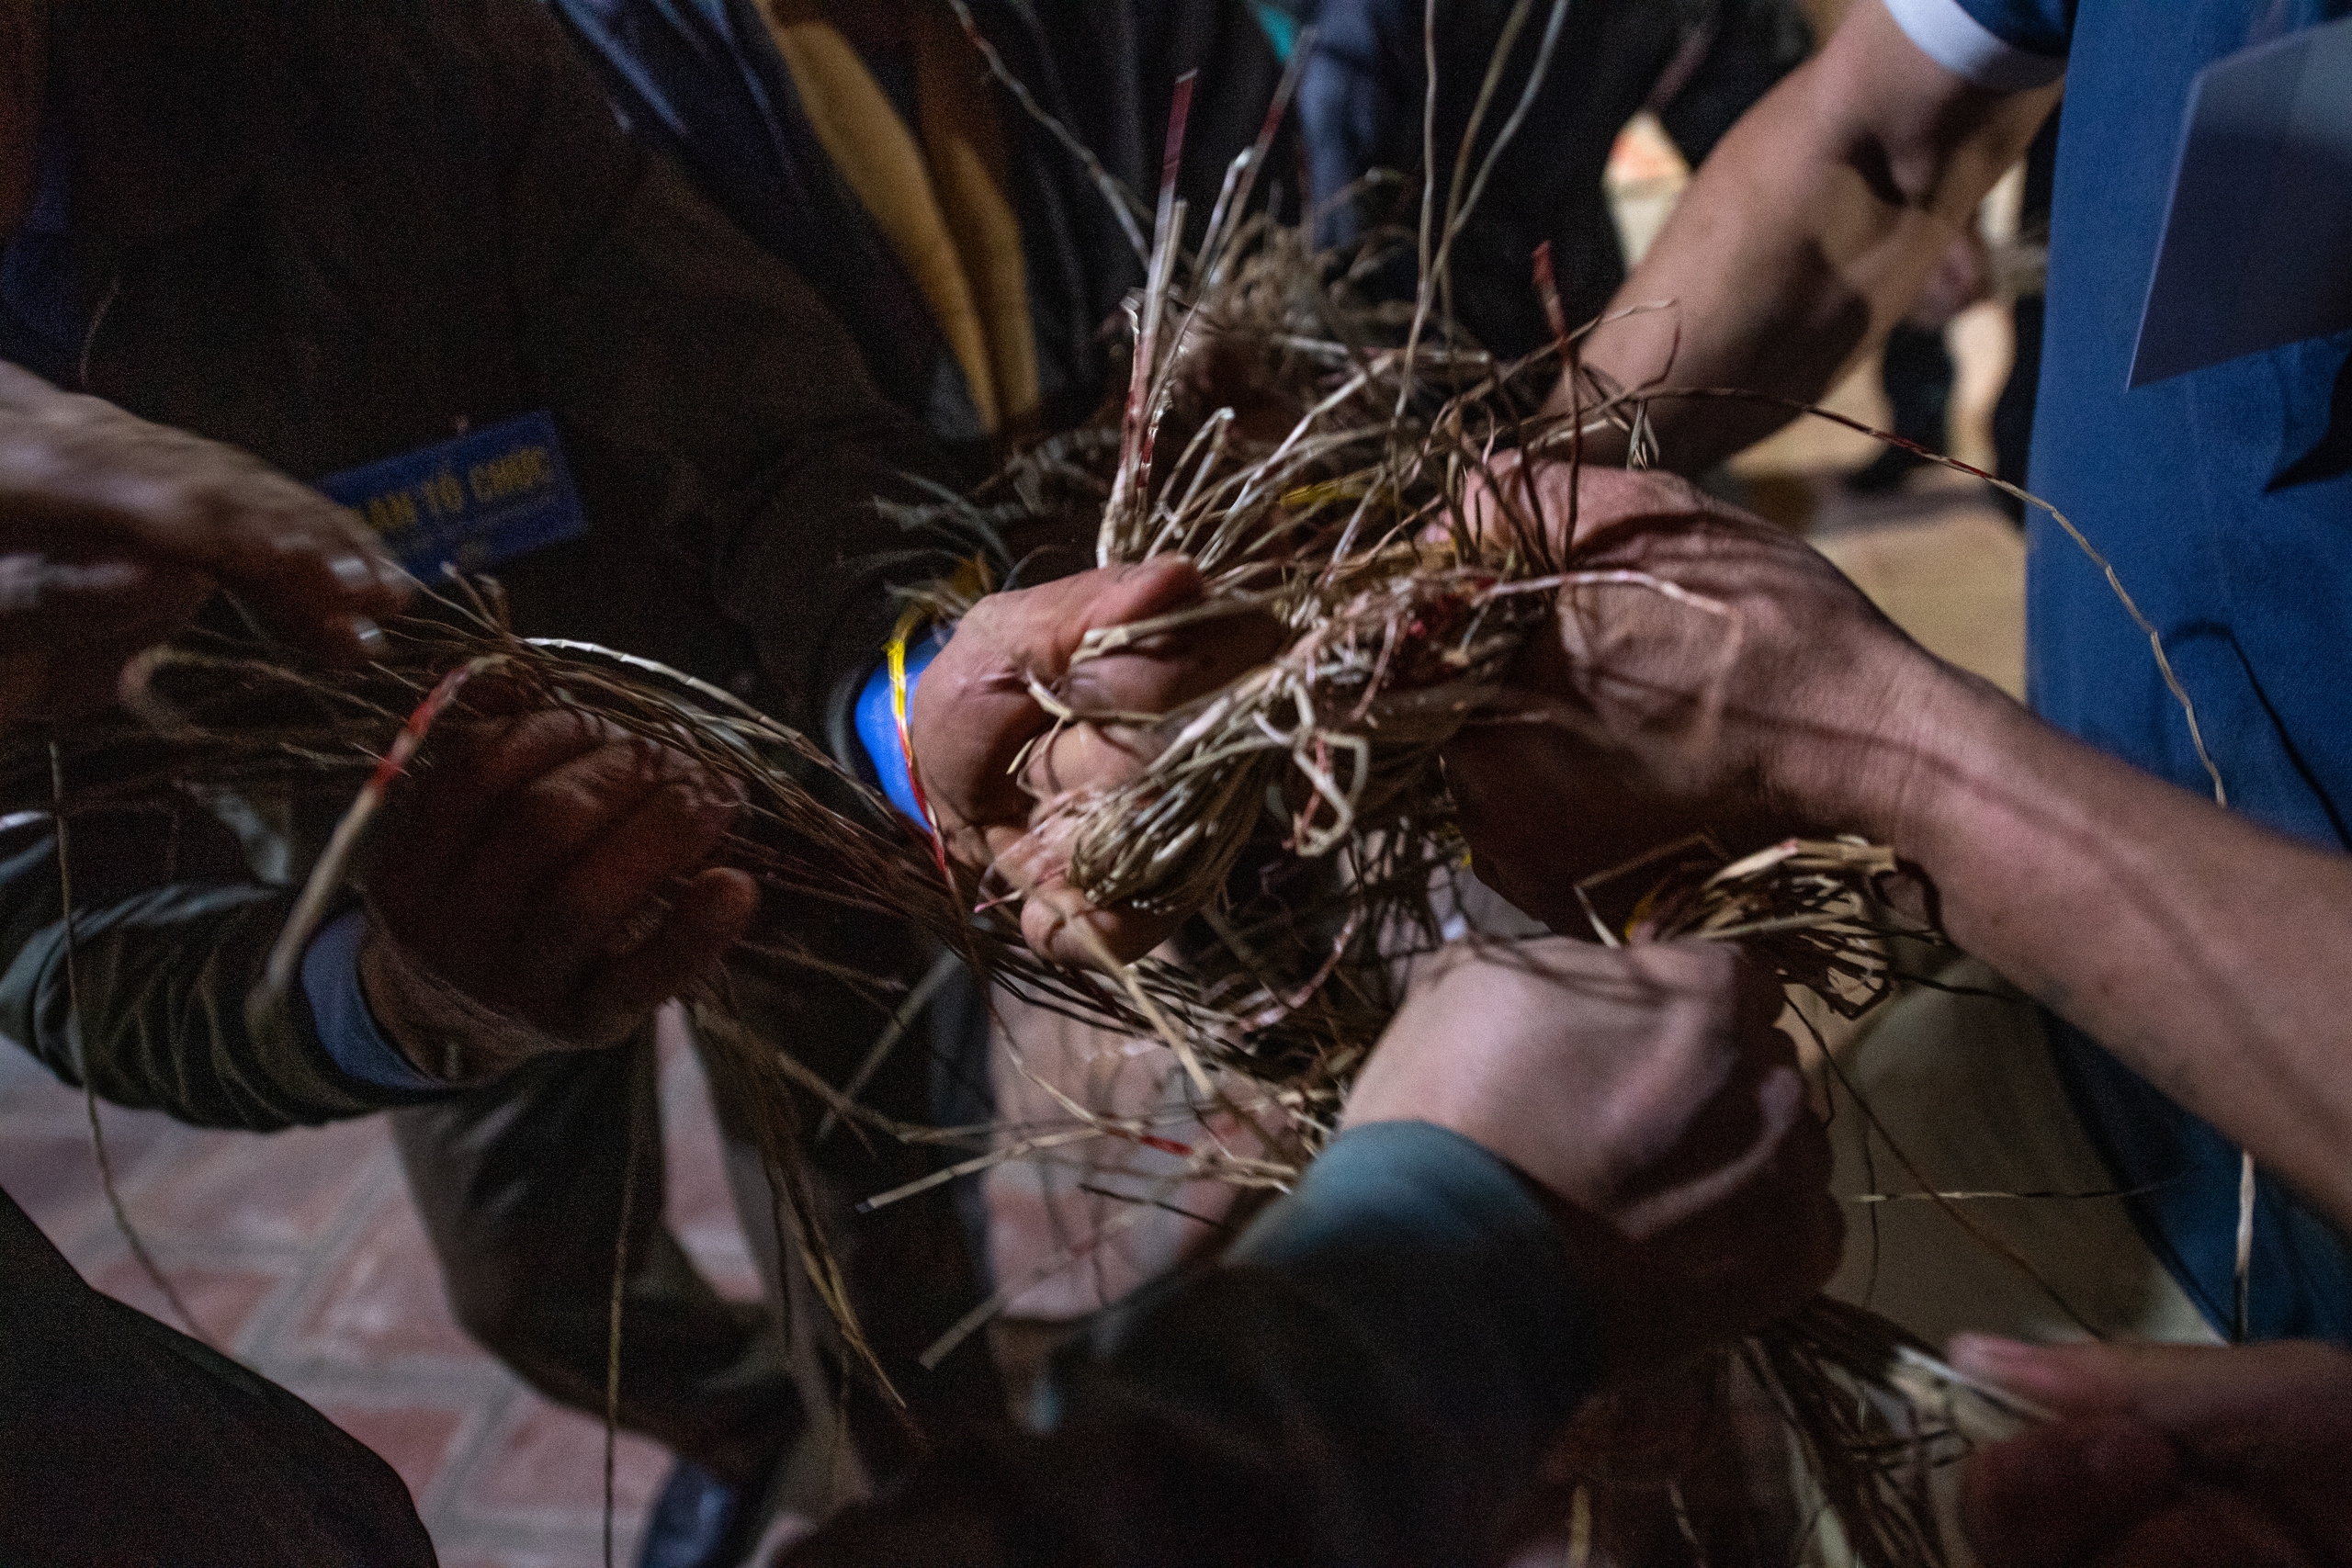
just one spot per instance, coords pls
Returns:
(1309, 452)
(1285, 993)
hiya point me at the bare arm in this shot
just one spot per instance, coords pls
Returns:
(2204, 951)
(1805, 235)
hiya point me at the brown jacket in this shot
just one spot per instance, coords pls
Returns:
(334, 232)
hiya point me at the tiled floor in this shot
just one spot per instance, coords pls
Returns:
(299, 1254)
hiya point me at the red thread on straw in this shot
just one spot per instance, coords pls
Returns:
(413, 733)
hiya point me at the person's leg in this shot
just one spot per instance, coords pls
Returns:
(520, 1185)
(2013, 414)
(1918, 373)
(910, 1267)
(2037, 1244)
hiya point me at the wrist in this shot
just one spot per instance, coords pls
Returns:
(344, 1023)
(875, 718)
(444, 1034)
(1960, 727)
(1885, 760)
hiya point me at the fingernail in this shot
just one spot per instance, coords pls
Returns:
(1990, 1356)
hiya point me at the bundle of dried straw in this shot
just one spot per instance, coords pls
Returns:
(1309, 451)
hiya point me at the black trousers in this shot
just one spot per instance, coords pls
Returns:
(520, 1187)
(122, 1440)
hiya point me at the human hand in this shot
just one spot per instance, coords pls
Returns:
(1962, 278)
(113, 531)
(1759, 695)
(2164, 1454)
(1646, 1088)
(549, 868)
(973, 713)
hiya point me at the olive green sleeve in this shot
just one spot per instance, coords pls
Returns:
(162, 969)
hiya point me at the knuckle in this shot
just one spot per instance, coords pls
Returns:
(688, 823)
(581, 923)
(557, 811)
(980, 627)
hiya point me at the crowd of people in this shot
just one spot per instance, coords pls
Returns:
(752, 265)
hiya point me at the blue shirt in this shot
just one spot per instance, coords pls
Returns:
(2223, 498)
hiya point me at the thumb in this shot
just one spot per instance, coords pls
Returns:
(2056, 1495)
(1144, 590)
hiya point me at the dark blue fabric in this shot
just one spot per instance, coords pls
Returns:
(2042, 26)
(1452, 1320)
(2301, 1285)
(45, 292)
(346, 1027)
(1360, 107)
(1445, 1260)
(1370, 1376)
(2225, 500)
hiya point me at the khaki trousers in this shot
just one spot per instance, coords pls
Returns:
(1961, 1083)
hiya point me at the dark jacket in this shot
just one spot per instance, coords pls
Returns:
(124, 1441)
(700, 81)
(1367, 1381)
(329, 234)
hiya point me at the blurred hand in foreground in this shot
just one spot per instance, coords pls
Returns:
(1721, 675)
(2164, 1455)
(1647, 1090)
(552, 869)
(974, 714)
(114, 531)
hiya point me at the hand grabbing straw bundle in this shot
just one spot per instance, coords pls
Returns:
(1309, 453)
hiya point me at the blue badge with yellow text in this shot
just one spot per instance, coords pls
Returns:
(488, 496)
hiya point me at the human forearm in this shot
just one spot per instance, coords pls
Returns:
(1369, 1380)
(1564, 1166)
(1805, 235)
(1770, 697)
(153, 1007)
(2204, 950)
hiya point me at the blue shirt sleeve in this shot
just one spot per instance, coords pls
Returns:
(1370, 1376)
(877, 725)
(2004, 46)
(346, 1029)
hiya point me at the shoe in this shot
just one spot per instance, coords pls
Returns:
(698, 1522)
